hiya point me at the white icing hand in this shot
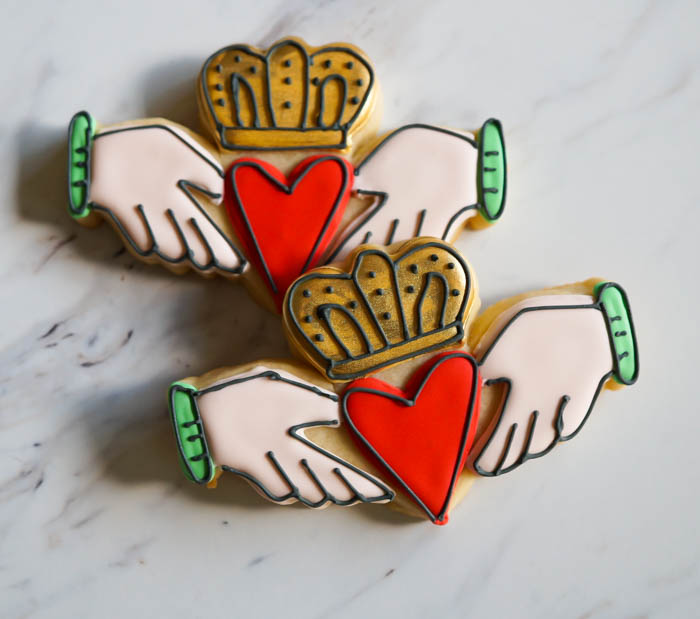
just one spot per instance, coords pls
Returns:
(425, 182)
(252, 425)
(554, 358)
(145, 180)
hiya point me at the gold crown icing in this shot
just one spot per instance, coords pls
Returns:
(290, 96)
(385, 308)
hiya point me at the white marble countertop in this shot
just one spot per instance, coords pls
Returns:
(600, 108)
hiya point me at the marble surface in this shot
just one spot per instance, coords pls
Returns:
(600, 106)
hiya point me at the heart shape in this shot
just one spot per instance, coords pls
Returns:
(422, 440)
(285, 224)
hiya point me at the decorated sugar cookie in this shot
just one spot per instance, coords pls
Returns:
(401, 394)
(433, 422)
(289, 176)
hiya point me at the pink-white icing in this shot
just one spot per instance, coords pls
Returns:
(143, 166)
(245, 420)
(547, 354)
(417, 168)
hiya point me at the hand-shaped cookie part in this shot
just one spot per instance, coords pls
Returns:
(427, 181)
(253, 423)
(554, 354)
(146, 179)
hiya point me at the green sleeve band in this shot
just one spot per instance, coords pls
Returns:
(193, 451)
(80, 132)
(616, 307)
(491, 170)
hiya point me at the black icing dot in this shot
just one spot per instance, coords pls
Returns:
(253, 69)
(359, 82)
(350, 64)
(219, 86)
(379, 292)
(287, 104)
(308, 318)
(306, 293)
(287, 63)
(450, 265)
(352, 304)
(287, 80)
(221, 102)
(327, 64)
(329, 289)
(237, 58)
(319, 337)
(315, 81)
(386, 315)
(372, 274)
(455, 292)
(434, 257)
(354, 100)
(410, 289)
(219, 68)
(414, 268)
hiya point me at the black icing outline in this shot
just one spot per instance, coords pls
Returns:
(331, 364)
(294, 432)
(559, 437)
(382, 196)
(186, 187)
(308, 60)
(440, 516)
(287, 189)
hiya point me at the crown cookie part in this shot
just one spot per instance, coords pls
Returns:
(291, 96)
(386, 307)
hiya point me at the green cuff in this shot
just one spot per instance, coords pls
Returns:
(192, 447)
(491, 170)
(80, 132)
(613, 301)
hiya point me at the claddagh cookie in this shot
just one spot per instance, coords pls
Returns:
(290, 174)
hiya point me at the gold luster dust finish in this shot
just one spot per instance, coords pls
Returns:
(291, 95)
(382, 308)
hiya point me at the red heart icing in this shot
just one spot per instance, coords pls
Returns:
(421, 435)
(285, 224)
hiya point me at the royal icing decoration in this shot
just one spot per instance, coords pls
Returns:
(253, 425)
(421, 435)
(285, 224)
(383, 309)
(427, 181)
(174, 201)
(290, 96)
(554, 353)
(146, 179)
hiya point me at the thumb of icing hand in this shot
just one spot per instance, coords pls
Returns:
(146, 180)
(552, 362)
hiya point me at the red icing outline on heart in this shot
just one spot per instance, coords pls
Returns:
(284, 224)
(422, 440)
